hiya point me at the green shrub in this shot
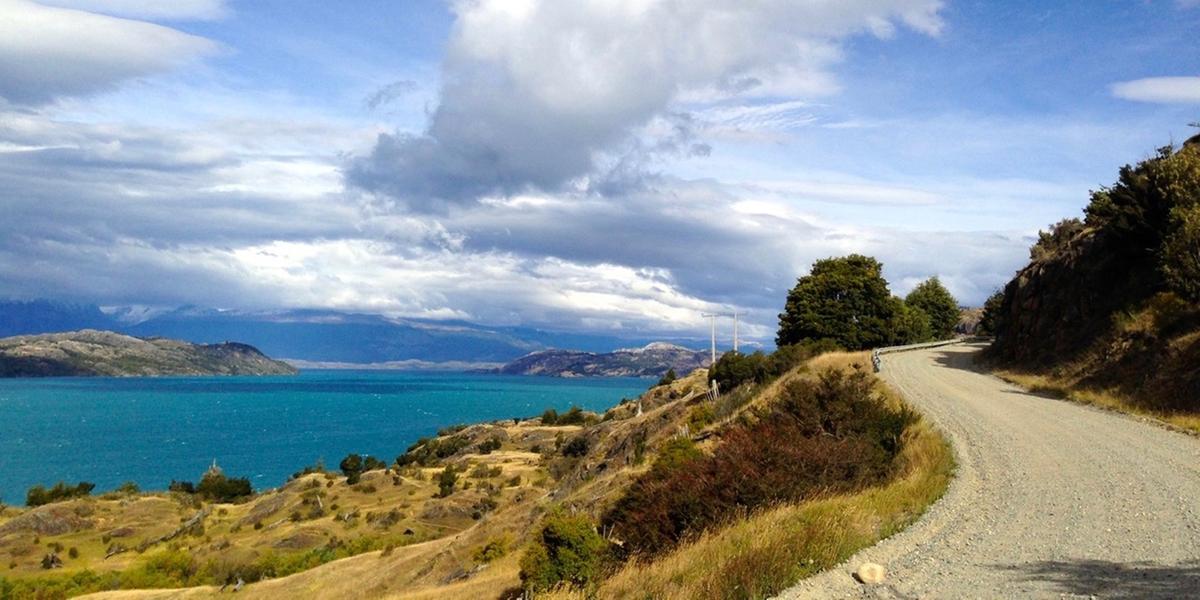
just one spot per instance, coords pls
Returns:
(668, 378)
(489, 445)
(578, 446)
(426, 452)
(39, 495)
(734, 369)
(492, 550)
(566, 550)
(129, 487)
(446, 481)
(354, 465)
(216, 487)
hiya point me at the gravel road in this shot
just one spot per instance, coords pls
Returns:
(1051, 499)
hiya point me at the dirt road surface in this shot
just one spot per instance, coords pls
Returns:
(1051, 499)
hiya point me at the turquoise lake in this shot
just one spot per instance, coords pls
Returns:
(154, 429)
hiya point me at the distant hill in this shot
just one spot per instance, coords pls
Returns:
(312, 336)
(653, 360)
(1112, 302)
(91, 352)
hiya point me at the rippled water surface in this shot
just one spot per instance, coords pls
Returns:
(153, 430)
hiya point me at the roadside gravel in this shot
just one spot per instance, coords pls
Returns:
(1050, 500)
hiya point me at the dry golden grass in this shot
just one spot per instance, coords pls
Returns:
(769, 551)
(1064, 389)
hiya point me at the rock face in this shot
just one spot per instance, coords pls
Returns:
(91, 352)
(652, 360)
(1093, 306)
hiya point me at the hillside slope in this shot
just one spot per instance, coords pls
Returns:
(91, 352)
(653, 360)
(1112, 302)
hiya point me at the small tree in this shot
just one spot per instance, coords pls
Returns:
(935, 301)
(446, 481)
(842, 299)
(911, 324)
(351, 467)
(991, 310)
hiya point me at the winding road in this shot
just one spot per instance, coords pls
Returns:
(1050, 500)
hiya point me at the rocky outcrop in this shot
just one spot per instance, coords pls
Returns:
(92, 352)
(1093, 306)
(652, 360)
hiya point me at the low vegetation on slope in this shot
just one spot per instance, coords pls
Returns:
(1108, 308)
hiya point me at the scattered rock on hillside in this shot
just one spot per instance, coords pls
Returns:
(47, 520)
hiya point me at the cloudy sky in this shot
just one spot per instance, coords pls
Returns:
(601, 165)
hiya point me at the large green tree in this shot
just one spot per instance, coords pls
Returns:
(935, 300)
(845, 300)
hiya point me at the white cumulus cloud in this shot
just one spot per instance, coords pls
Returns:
(535, 91)
(1161, 90)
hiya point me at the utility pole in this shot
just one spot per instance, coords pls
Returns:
(735, 332)
(712, 321)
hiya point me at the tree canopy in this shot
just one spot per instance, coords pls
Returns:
(933, 299)
(845, 300)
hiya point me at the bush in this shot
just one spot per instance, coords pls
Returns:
(828, 436)
(216, 487)
(39, 495)
(573, 416)
(426, 452)
(668, 378)
(446, 481)
(567, 549)
(734, 369)
(490, 445)
(354, 465)
(183, 487)
(492, 550)
(578, 446)
(129, 487)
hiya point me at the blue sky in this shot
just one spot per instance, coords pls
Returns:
(620, 165)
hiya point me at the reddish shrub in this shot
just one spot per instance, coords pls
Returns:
(831, 435)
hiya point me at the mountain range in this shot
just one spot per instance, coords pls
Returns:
(91, 352)
(652, 360)
(315, 337)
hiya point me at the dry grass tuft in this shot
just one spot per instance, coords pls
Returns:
(1064, 389)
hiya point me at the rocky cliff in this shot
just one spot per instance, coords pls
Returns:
(92, 352)
(1110, 302)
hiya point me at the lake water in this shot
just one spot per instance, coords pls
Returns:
(154, 429)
